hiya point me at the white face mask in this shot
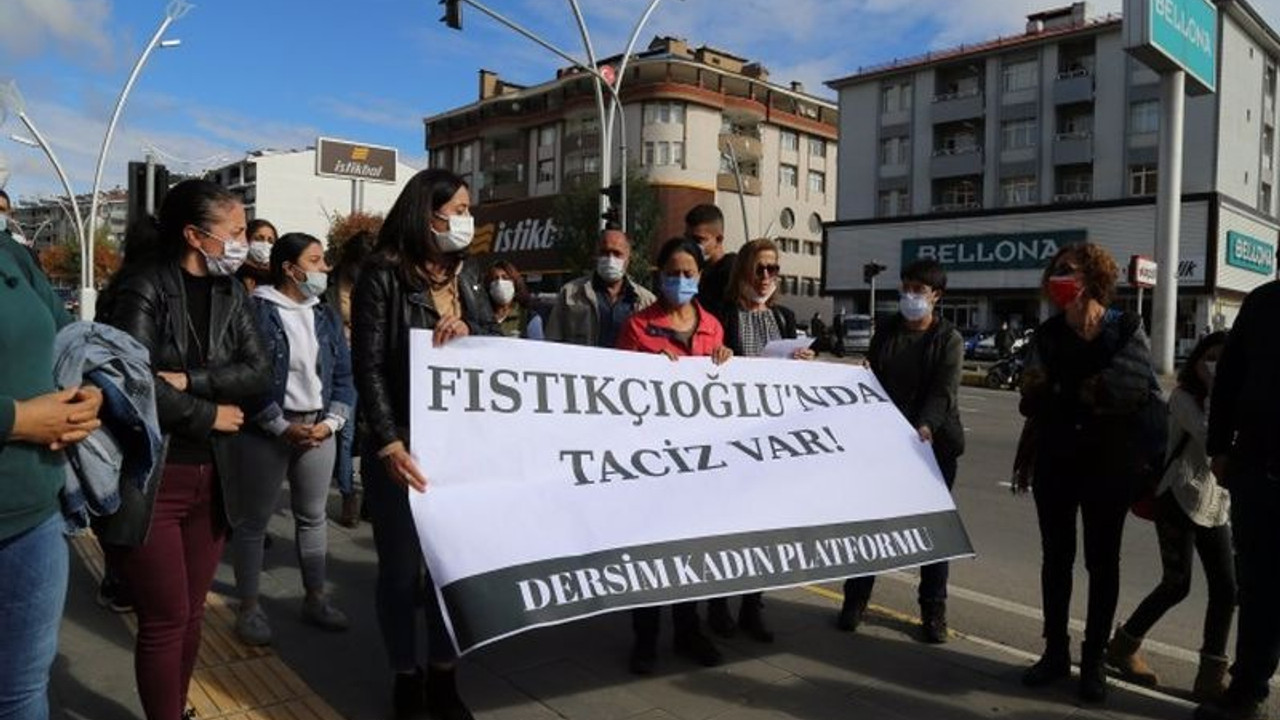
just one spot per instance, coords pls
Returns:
(314, 284)
(4, 222)
(502, 291)
(914, 306)
(260, 252)
(769, 290)
(233, 256)
(610, 268)
(461, 229)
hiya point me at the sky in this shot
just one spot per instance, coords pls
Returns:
(255, 74)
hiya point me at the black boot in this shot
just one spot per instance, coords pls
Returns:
(851, 613)
(933, 622)
(443, 702)
(719, 618)
(692, 644)
(1232, 707)
(751, 620)
(644, 656)
(409, 695)
(1093, 681)
(1054, 665)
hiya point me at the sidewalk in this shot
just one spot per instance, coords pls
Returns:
(577, 671)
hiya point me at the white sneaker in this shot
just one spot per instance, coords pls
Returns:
(252, 627)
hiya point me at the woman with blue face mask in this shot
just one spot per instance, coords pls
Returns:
(292, 432)
(676, 326)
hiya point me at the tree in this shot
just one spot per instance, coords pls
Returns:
(61, 261)
(344, 227)
(577, 216)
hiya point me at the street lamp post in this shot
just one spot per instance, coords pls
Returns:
(88, 293)
(602, 84)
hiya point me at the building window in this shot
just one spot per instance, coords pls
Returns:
(817, 147)
(1074, 184)
(895, 151)
(960, 194)
(1144, 117)
(817, 183)
(894, 203)
(815, 223)
(895, 98)
(958, 142)
(787, 219)
(1018, 134)
(1017, 191)
(789, 141)
(1019, 76)
(1264, 198)
(1075, 125)
(664, 113)
(546, 171)
(664, 153)
(1142, 179)
(787, 175)
(547, 136)
(810, 287)
(811, 247)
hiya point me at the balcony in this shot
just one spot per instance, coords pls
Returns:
(1073, 86)
(1072, 197)
(745, 147)
(729, 182)
(962, 105)
(589, 140)
(956, 207)
(503, 191)
(1073, 148)
(953, 162)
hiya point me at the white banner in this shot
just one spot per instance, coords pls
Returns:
(567, 481)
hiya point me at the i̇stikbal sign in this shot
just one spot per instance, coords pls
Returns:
(355, 161)
(1175, 35)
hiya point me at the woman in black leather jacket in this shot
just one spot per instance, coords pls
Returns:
(418, 277)
(192, 315)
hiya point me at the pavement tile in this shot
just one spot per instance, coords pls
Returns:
(575, 692)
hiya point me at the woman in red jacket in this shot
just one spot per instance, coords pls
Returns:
(675, 326)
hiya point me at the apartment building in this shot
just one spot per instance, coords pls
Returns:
(688, 114)
(989, 156)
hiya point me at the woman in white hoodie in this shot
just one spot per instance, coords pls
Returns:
(292, 432)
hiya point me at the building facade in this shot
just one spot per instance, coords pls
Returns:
(990, 156)
(688, 114)
(46, 221)
(282, 186)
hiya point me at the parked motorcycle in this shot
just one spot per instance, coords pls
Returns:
(1006, 373)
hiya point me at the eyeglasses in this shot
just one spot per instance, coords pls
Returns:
(763, 271)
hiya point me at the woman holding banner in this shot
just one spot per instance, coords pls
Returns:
(1088, 376)
(418, 278)
(752, 319)
(675, 326)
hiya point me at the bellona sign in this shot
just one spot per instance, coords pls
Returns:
(1175, 35)
(1012, 251)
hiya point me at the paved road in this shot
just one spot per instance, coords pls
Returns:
(997, 594)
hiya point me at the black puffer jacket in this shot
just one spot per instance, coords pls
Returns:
(383, 310)
(151, 306)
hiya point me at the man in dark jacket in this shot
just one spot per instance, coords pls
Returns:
(1244, 426)
(917, 356)
(704, 224)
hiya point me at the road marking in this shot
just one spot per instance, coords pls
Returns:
(998, 646)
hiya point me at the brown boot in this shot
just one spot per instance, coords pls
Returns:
(1211, 680)
(1122, 654)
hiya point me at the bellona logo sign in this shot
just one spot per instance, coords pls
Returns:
(1175, 35)
(1250, 253)
(1014, 251)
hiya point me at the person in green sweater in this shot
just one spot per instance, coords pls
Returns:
(37, 421)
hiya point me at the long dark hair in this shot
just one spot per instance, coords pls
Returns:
(160, 239)
(352, 256)
(1188, 378)
(405, 238)
(288, 248)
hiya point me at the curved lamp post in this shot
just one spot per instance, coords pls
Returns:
(11, 101)
(88, 294)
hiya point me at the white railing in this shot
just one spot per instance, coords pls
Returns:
(957, 150)
(957, 95)
(1072, 197)
(1077, 135)
(1075, 73)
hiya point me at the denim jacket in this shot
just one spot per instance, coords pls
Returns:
(128, 447)
(334, 360)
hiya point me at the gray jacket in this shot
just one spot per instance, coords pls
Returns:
(128, 446)
(575, 318)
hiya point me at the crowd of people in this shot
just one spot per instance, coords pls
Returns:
(266, 356)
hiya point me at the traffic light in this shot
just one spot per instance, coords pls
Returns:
(452, 13)
(872, 269)
(612, 215)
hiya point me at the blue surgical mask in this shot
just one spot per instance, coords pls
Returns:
(914, 306)
(679, 290)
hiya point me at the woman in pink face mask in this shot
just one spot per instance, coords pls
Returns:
(1088, 375)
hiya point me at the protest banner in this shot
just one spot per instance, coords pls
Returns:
(566, 481)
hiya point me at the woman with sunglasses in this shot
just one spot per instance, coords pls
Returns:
(752, 319)
(1088, 374)
(676, 326)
